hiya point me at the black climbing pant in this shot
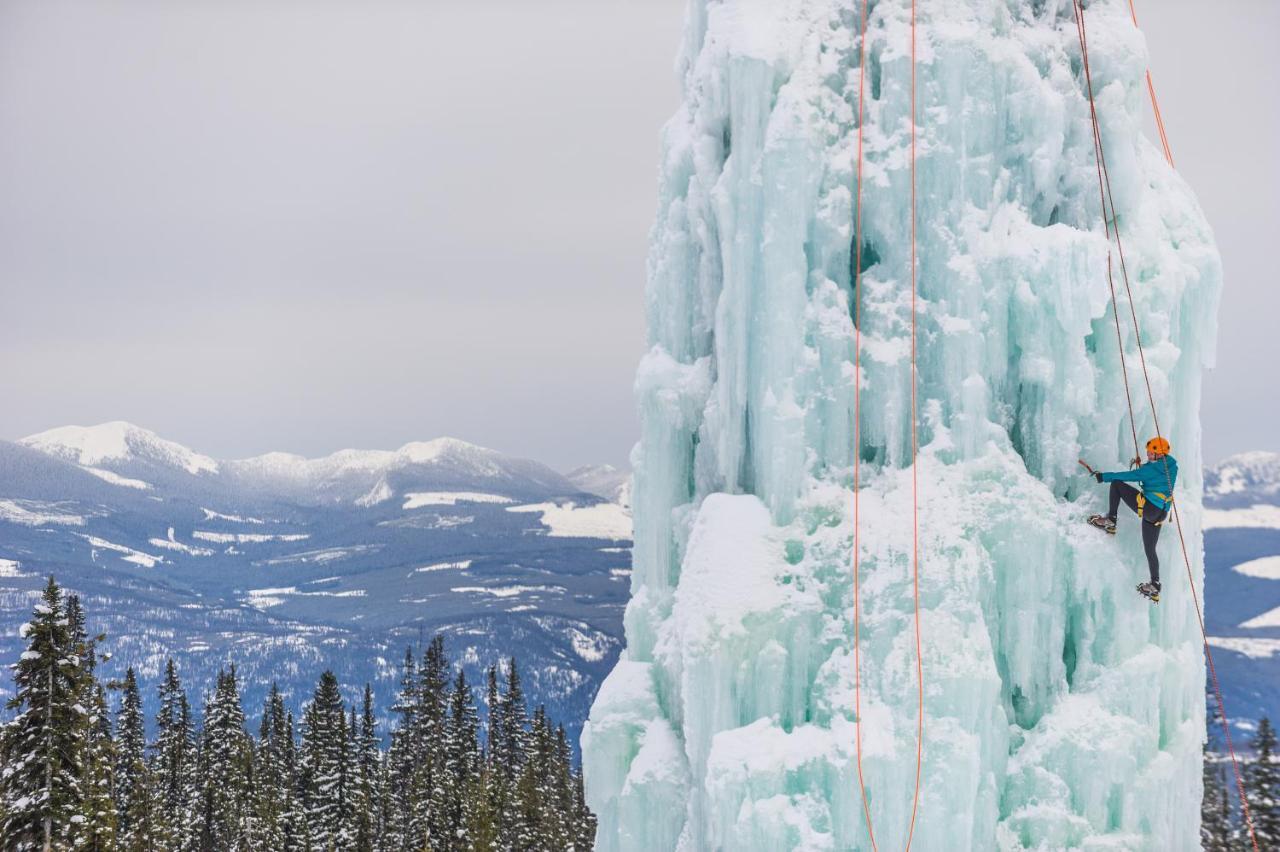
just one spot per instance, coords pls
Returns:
(1151, 516)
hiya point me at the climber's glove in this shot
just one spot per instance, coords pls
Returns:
(1097, 474)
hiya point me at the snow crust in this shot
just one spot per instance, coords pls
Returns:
(1061, 710)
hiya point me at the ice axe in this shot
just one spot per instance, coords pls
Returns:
(1086, 466)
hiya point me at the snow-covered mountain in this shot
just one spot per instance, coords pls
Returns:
(604, 480)
(287, 565)
(1243, 480)
(115, 444)
(1242, 582)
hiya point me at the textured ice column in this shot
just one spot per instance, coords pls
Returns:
(1061, 710)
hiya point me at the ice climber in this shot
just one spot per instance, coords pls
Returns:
(1151, 504)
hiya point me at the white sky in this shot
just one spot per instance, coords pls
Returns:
(312, 224)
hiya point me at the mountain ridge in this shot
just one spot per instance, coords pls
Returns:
(285, 565)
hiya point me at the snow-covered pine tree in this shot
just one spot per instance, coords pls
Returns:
(584, 823)
(94, 824)
(482, 819)
(351, 781)
(46, 741)
(133, 790)
(515, 721)
(95, 820)
(324, 764)
(270, 772)
(225, 753)
(293, 819)
(510, 757)
(459, 770)
(430, 746)
(493, 718)
(1215, 814)
(173, 762)
(1262, 786)
(532, 830)
(401, 762)
(367, 829)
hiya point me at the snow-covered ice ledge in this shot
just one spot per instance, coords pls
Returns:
(1061, 711)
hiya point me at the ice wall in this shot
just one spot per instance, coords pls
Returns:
(1061, 709)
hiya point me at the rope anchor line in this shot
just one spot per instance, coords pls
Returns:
(857, 416)
(1104, 190)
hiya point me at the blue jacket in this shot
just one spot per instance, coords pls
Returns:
(1154, 479)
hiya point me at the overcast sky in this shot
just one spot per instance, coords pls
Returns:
(319, 224)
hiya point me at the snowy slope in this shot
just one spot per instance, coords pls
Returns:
(288, 565)
(1060, 709)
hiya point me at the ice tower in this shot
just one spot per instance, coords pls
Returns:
(1061, 709)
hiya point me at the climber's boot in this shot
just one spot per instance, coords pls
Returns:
(1150, 591)
(1102, 522)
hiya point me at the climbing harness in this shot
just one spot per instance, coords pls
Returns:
(857, 428)
(1104, 180)
(1142, 503)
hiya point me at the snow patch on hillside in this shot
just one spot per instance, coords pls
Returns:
(171, 543)
(1266, 568)
(1255, 649)
(380, 493)
(1271, 618)
(211, 515)
(444, 566)
(117, 479)
(327, 554)
(1256, 516)
(246, 538)
(9, 569)
(267, 598)
(505, 591)
(604, 520)
(34, 513)
(420, 499)
(137, 557)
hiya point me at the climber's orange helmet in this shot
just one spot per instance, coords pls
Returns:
(1158, 446)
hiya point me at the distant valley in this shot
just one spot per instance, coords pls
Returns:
(287, 566)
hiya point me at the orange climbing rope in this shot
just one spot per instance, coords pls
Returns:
(1155, 103)
(915, 448)
(1105, 181)
(857, 429)
(857, 420)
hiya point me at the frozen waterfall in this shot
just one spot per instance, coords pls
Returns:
(1061, 709)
